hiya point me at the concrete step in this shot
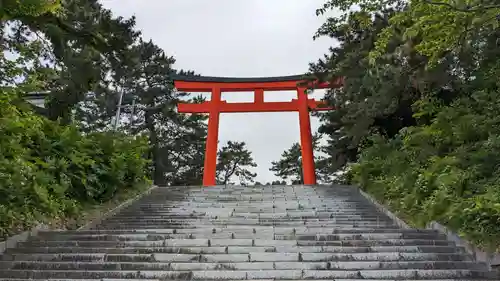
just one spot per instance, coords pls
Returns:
(250, 218)
(241, 249)
(131, 279)
(239, 220)
(126, 227)
(256, 209)
(272, 203)
(251, 214)
(248, 224)
(237, 242)
(265, 200)
(163, 279)
(246, 201)
(255, 257)
(236, 229)
(284, 215)
(293, 204)
(202, 265)
(398, 274)
(237, 235)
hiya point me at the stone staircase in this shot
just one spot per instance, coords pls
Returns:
(240, 233)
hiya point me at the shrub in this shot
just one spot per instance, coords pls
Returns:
(447, 171)
(49, 171)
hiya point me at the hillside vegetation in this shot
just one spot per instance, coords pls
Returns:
(50, 172)
(417, 124)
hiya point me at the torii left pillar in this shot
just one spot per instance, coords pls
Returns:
(214, 107)
(210, 165)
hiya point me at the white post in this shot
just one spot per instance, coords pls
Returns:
(132, 115)
(118, 111)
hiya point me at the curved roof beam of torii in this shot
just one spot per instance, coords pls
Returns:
(239, 84)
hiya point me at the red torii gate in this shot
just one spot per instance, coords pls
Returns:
(216, 106)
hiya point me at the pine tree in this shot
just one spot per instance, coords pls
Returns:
(289, 167)
(234, 159)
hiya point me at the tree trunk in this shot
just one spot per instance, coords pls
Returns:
(154, 152)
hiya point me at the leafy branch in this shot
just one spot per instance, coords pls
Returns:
(467, 9)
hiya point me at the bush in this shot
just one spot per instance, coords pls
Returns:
(49, 171)
(447, 171)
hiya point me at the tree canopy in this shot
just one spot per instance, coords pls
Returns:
(415, 124)
(234, 159)
(78, 154)
(289, 166)
(14, 9)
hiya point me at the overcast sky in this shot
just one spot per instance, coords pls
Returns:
(238, 38)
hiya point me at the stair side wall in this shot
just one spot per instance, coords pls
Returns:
(116, 210)
(12, 241)
(492, 260)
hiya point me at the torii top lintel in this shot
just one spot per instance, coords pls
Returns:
(236, 84)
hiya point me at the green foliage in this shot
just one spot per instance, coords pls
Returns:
(439, 27)
(416, 123)
(86, 57)
(81, 45)
(289, 166)
(234, 159)
(446, 171)
(434, 27)
(12, 9)
(49, 171)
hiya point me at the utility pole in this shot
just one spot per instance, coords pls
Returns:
(132, 117)
(118, 111)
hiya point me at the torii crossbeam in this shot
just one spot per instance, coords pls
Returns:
(216, 106)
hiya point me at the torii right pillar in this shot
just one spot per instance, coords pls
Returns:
(308, 167)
